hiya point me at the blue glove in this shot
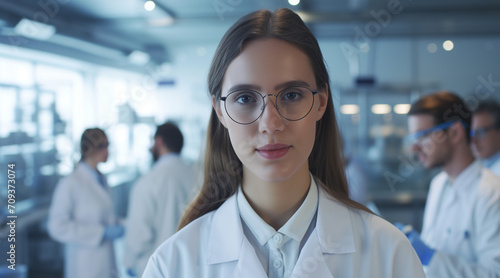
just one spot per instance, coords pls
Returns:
(400, 226)
(113, 232)
(424, 252)
(131, 272)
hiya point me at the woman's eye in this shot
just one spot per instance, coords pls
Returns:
(244, 99)
(292, 96)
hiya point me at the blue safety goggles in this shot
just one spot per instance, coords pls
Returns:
(419, 135)
(480, 133)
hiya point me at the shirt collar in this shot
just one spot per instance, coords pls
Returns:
(488, 162)
(294, 228)
(87, 166)
(166, 156)
(467, 176)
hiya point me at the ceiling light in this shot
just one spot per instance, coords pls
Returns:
(35, 30)
(139, 58)
(402, 108)
(160, 22)
(149, 5)
(364, 47)
(381, 109)
(294, 2)
(349, 109)
(432, 47)
(448, 45)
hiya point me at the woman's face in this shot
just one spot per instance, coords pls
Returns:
(101, 153)
(272, 148)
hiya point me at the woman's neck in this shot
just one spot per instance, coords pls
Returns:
(275, 203)
(92, 163)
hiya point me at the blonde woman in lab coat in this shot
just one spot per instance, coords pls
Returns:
(82, 215)
(274, 202)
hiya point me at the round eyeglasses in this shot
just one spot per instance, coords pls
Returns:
(246, 106)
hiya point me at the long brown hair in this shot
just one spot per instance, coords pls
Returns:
(223, 171)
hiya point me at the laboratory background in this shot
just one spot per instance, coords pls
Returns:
(127, 66)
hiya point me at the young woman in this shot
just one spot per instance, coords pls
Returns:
(82, 215)
(274, 201)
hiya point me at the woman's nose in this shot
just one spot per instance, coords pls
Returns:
(270, 121)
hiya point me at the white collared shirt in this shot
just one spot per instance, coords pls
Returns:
(278, 251)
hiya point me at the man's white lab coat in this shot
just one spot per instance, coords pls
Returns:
(495, 168)
(157, 202)
(465, 231)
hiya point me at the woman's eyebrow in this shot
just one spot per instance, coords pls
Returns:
(293, 83)
(244, 87)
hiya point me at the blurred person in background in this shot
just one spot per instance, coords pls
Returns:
(158, 199)
(461, 225)
(82, 215)
(358, 181)
(485, 134)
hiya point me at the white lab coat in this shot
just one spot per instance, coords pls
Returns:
(495, 168)
(346, 242)
(81, 209)
(466, 230)
(157, 202)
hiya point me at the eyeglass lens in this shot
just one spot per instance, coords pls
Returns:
(481, 132)
(246, 106)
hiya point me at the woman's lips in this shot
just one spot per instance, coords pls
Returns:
(273, 151)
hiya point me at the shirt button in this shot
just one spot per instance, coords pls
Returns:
(277, 263)
(277, 238)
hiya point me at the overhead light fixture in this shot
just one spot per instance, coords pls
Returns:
(34, 30)
(305, 16)
(138, 57)
(294, 2)
(349, 109)
(448, 45)
(364, 47)
(402, 108)
(432, 47)
(381, 109)
(160, 22)
(149, 5)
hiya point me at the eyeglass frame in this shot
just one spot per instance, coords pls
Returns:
(314, 92)
(480, 133)
(414, 137)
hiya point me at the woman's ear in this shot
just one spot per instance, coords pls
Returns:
(323, 101)
(218, 111)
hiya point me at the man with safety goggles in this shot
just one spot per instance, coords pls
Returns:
(485, 135)
(460, 234)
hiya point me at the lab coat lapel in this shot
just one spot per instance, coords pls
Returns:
(333, 235)
(227, 243)
(311, 262)
(248, 265)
